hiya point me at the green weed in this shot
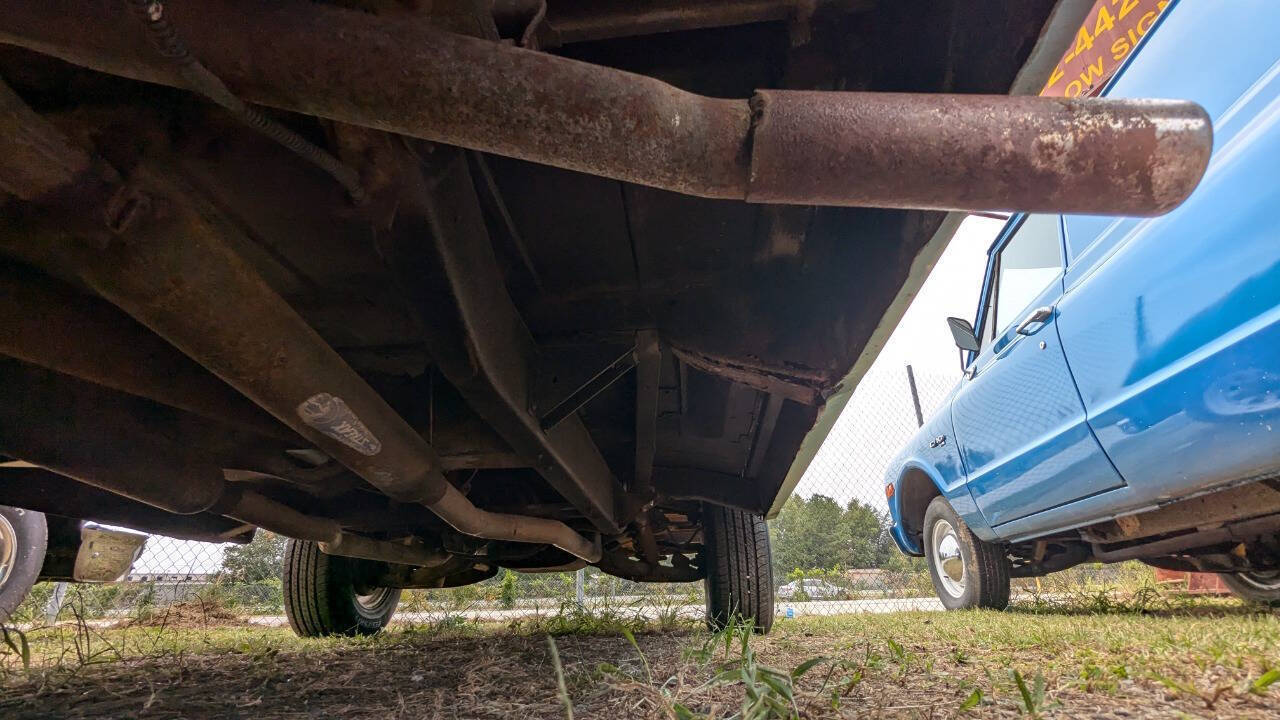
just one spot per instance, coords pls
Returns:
(562, 692)
(971, 702)
(1264, 681)
(1032, 696)
(16, 642)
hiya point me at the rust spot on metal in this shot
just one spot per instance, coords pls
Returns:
(965, 152)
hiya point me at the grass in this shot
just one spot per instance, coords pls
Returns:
(1139, 655)
(1194, 656)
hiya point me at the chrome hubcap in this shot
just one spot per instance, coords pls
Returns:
(1262, 580)
(948, 559)
(8, 549)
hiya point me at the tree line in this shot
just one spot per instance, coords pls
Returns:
(819, 533)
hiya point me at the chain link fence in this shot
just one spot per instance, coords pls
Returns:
(832, 553)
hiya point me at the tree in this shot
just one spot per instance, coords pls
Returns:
(806, 534)
(867, 534)
(259, 560)
(815, 532)
(509, 590)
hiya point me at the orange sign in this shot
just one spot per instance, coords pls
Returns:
(1109, 33)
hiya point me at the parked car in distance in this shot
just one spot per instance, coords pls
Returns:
(1121, 388)
(812, 589)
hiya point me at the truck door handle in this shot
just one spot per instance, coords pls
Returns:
(1038, 315)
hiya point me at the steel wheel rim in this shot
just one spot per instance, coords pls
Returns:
(374, 599)
(948, 559)
(1262, 580)
(8, 549)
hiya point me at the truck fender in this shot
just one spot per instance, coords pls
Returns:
(918, 482)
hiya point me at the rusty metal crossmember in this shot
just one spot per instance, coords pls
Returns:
(598, 383)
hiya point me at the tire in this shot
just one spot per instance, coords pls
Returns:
(984, 571)
(320, 597)
(1258, 587)
(24, 537)
(739, 581)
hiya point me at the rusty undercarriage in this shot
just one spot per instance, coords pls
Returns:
(459, 285)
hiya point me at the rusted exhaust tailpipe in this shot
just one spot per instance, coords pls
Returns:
(1131, 157)
(975, 152)
(170, 269)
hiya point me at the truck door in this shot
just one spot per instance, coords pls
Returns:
(1172, 324)
(1019, 421)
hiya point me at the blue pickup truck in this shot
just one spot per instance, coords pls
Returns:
(1121, 389)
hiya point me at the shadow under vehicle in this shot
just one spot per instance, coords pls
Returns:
(441, 288)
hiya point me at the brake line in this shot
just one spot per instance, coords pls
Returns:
(201, 80)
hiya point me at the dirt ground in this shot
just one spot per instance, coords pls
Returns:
(1210, 661)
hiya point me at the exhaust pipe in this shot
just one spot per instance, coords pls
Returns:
(936, 152)
(977, 152)
(168, 267)
(1233, 532)
(255, 509)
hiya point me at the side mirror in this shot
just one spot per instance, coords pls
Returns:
(963, 333)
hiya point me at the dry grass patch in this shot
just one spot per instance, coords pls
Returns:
(1186, 659)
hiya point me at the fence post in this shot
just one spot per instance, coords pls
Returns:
(54, 606)
(579, 590)
(915, 396)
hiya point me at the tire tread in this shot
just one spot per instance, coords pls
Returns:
(33, 542)
(740, 568)
(319, 598)
(991, 574)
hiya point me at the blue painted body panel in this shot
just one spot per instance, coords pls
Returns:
(1170, 326)
(943, 467)
(1021, 426)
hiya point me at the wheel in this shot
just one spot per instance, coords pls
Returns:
(739, 582)
(1257, 586)
(323, 594)
(23, 540)
(966, 572)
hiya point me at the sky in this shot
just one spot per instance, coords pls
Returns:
(921, 337)
(877, 421)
